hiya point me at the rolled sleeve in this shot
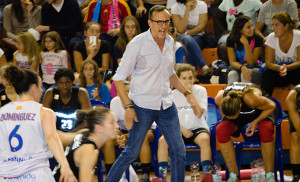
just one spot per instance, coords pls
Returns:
(127, 63)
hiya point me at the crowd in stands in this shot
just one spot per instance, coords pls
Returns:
(72, 45)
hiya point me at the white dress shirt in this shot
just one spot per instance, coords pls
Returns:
(150, 69)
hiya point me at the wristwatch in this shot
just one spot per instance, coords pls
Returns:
(187, 92)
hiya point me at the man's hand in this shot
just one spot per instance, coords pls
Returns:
(140, 11)
(66, 174)
(42, 28)
(251, 129)
(113, 32)
(130, 116)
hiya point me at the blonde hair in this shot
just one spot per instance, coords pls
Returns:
(31, 47)
(285, 18)
(232, 103)
(179, 68)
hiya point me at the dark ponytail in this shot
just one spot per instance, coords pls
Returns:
(20, 79)
(94, 116)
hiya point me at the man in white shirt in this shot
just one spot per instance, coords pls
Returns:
(149, 59)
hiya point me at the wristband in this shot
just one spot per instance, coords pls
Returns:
(128, 107)
(241, 67)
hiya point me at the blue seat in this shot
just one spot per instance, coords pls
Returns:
(254, 142)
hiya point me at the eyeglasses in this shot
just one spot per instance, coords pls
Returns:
(160, 22)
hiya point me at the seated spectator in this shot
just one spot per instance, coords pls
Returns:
(192, 120)
(20, 16)
(8, 93)
(91, 80)
(64, 17)
(242, 104)
(270, 8)
(129, 29)
(54, 56)
(293, 105)
(28, 55)
(65, 100)
(99, 52)
(231, 9)
(83, 153)
(179, 47)
(189, 19)
(282, 54)
(244, 48)
(109, 148)
(110, 14)
(142, 13)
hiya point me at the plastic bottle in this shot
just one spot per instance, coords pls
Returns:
(216, 172)
(195, 175)
(254, 171)
(261, 170)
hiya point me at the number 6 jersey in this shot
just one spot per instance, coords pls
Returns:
(23, 146)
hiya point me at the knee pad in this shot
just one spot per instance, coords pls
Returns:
(224, 130)
(265, 130)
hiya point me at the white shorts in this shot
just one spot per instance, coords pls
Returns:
(41, 174)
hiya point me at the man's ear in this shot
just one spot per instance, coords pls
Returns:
(150, 23)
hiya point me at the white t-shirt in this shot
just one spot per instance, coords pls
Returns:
(281, 57)
(193, 20)
(1, 52)
(247, 7)
(117, 108)
(23, 144)
(51, 62)
(186, 114)
(22, 61)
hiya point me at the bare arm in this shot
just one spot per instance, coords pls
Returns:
(219, 100)
(257, 101)
(251, 57)
(47, 100)
(105, 62)
(34, 66)
(203, 18)
(269, 58)
(86, 158)
(258, 28)
(48, 120)
(293, 110)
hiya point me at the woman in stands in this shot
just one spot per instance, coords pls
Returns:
(84, 50)
(242, 104)
(293, 105)
(270, 8)
(65, 100)
(244, 48)
(190, 18)
(282, 54)
(83, 153)
(20, 16)
(91, 80)
(28, 134)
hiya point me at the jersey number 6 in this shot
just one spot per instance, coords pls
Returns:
(14, 134)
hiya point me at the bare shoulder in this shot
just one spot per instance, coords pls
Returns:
(219, 97)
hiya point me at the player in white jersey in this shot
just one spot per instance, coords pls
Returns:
(28, 133)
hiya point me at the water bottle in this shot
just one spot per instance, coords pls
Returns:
(261, 170)
(216, 172)
(254, 171)
(195, 175)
